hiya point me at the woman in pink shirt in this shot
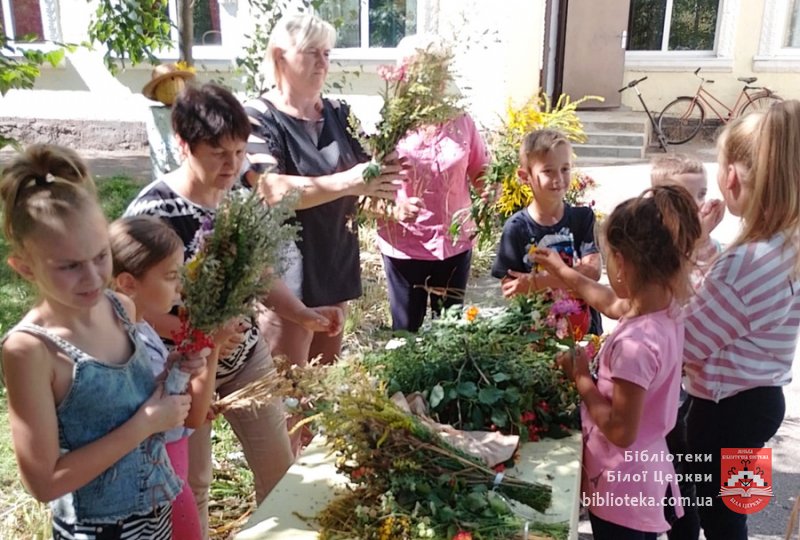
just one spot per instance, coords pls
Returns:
(421, 258)
(629, 481)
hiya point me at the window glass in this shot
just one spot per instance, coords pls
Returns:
(206, 23)
(345, 15)
(694, 24)
(389, 21)
(793, 30)
(27, 19)
(646, 25)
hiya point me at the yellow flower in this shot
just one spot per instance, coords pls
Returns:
(192, 268)
(532, 250)
(183, 66)
(515, 196)
(472, 313)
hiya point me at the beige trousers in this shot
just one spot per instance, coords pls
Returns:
(262, 433)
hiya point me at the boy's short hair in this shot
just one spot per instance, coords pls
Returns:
(538, 143)
(665, 168)
(208, 114)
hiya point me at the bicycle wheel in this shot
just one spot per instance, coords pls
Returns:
(759, 103)
(681, 120)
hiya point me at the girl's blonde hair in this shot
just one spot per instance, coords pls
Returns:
(774, 180)
(299, 32)
(43, 183)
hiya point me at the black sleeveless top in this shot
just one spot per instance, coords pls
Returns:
(328, 241)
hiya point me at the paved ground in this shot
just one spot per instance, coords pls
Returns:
(616, 183)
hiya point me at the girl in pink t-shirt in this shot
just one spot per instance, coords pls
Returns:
(628, 481)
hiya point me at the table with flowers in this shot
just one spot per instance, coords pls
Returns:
(311, 483)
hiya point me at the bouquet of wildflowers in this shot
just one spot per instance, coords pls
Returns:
(417, 93)
(238, 253)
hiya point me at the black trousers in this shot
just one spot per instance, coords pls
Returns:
(747, 420)
(605, 530)
(688, 526)
(413, 282)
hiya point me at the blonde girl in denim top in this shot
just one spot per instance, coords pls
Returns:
(85, 410)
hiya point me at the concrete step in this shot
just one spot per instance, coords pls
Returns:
(616, 138)
(617, 151)
(607, 161)
(611, 124)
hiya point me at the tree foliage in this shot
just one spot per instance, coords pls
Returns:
(19, 67)
(132, 30)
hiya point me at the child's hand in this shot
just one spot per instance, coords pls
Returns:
(549, 260)
(516, 283)
(711, 214)
(193, 362)
(162, 412)
(327, 319)
(574, 362)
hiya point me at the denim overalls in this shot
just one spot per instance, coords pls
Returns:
(102, 398)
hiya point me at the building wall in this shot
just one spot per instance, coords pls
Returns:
(754, 23)
(499, 49)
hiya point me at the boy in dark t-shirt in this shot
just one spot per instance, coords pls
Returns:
(545, 165)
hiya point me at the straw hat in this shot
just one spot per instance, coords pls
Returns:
(165, 83)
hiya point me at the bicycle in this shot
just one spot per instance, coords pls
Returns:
(682, 119)
(662, 140)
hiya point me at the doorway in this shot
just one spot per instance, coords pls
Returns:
(585, 43)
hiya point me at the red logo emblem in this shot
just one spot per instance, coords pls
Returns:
(746, 479)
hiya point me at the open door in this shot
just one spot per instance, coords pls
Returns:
(594, 40)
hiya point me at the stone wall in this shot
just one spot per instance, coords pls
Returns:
(78, 134)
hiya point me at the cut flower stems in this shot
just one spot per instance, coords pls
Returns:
(405, 481)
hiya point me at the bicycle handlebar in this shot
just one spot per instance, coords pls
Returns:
(632, 84)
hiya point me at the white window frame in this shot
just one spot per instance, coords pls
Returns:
(719, 59)
(375, 54)
(772, 55)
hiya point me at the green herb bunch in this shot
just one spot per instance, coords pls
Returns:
(239, 253)
(487, 372)
(407, 482)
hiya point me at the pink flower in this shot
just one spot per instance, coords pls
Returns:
(562, 329)
(392, 73)
(564, 307)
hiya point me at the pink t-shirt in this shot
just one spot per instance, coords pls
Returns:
(646, 351)
(442, 162)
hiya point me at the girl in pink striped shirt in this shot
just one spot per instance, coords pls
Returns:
(742, 326)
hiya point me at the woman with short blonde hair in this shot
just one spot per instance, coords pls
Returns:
(303, 142)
